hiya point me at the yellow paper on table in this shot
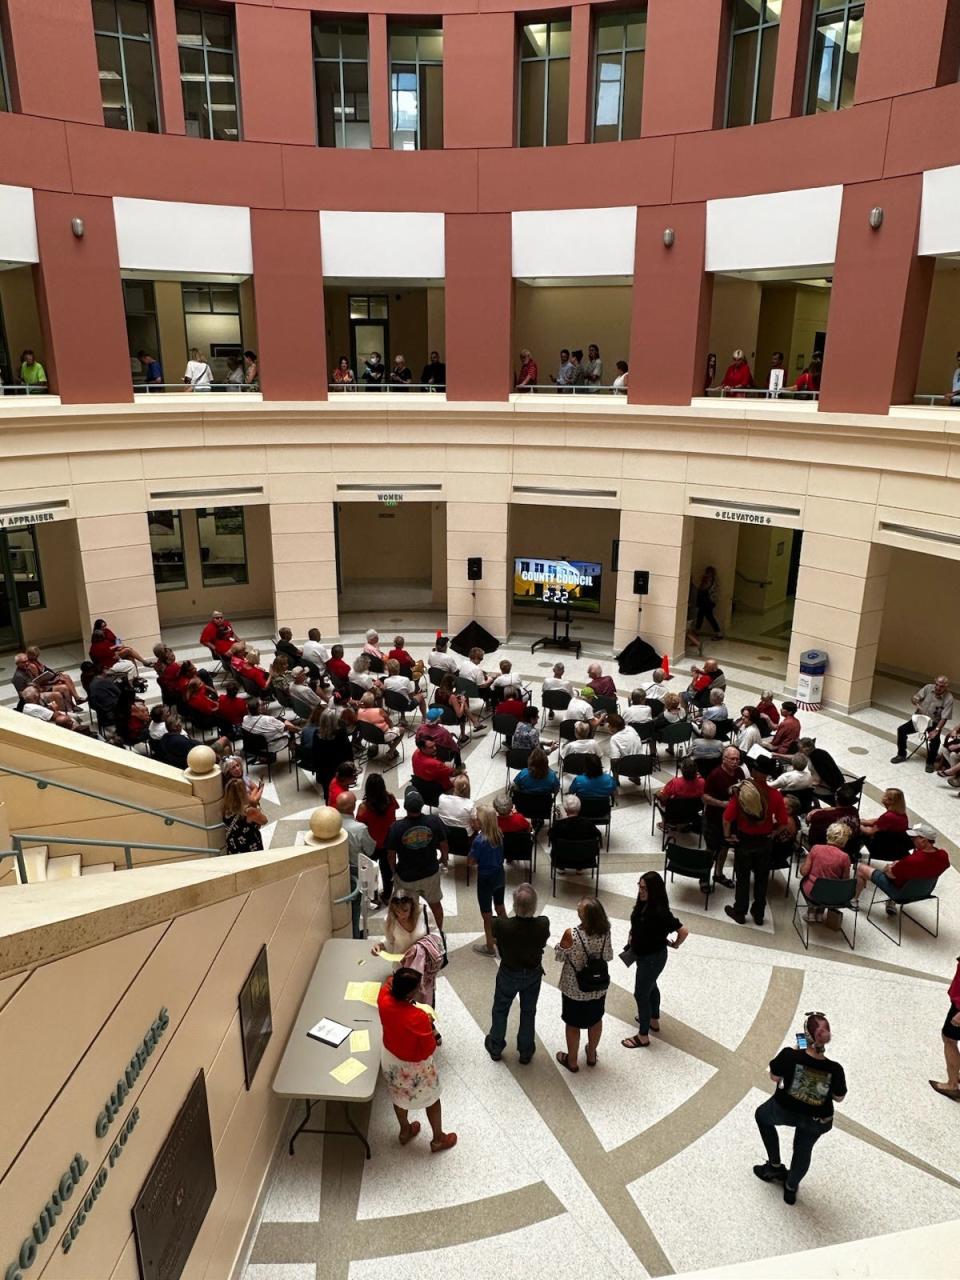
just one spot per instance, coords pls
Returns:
(348, 1070)
(355, 991)
(394, 957)
(369, 994)
(427, 1009)
(359, 1041)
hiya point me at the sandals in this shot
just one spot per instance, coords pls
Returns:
(947, 1092)
(634, 1042)
(414, 1129)
(446, 1142)
(594, 1062)
(564, 1061)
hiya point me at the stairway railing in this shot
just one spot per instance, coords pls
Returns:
(20, 838)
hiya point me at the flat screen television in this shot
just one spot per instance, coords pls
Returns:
(557, 584)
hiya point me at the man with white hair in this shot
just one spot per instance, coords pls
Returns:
(707, 746)
(372, 647)
(935, 702)
(796, 778)
(657, 686)
(558, 680)
(35, 707)
(601, 685)
(359, 841)
(573, 827)
(716, 708)
(520, 940)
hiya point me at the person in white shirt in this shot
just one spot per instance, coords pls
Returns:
(360, 674)
(32, 706)
(456, 809)
(556, 681)
(198, 373)
(158, 723)
(472, 670)
(624, 739)
(397, 683)
(578, 708)
(442, 659)
(359, 839)
(796, 778)
(505, 680)
(637, 712)
(315, 652)
(657, 688)
(717, 709)
(748, 729)
(582, 741)
(275, 732)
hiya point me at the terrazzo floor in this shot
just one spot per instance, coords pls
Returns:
(643, 1166)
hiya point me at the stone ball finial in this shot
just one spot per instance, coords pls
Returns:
(201, 760)
(325, 823)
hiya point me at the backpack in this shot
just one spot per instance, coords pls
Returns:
(594, 976)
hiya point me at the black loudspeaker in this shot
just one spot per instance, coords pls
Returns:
(474, 568)
(641, 582)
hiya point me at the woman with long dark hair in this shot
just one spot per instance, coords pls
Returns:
(378, 812)
(652, 929)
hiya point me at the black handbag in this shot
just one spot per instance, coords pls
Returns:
(594, 976)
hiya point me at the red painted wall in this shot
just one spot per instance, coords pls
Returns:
(55, 57)
(478, 67)
(278, 98)
(378, 72)
(479, 306)
(901, 47)
(671, 307)
(681, 66)
(578, 112)
(81, 303)
(167, 60)
(878, 307)
(288, 294)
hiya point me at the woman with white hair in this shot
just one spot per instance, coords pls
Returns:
(372, 647)
(826, 862)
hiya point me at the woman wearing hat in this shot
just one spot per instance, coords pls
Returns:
(749, 822)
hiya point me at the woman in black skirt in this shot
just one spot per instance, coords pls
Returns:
(585, 952)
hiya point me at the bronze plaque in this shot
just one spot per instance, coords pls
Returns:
(173, 1202)
(256, 1018)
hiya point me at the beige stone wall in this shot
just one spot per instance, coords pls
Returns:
(547, 318)
(386, 544)
(245, 600)
(574, 532)
(908, 645)
(169, 938)
(18, 301)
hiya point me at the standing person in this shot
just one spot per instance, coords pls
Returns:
(243, 817)
(434, 373)
(529, 374)
(198, 374)
(152, 372)
(409, 1045)
(329, 750)
(343, 375)
(749, 821)
(373, 371)
(32, 372)
(807, 1087)
(950, 1034)
(410, 931)
(567, 371)
(651, 924)
(708, 593)
(378, 811)
(738, 376)
(400, 375)
(486, 854)
(592, 369)
(621, 382)
(585, 951)
(413, 845)
(936, 702)
(777, 374)
(954, 393)
(251, 369)
(520, 940)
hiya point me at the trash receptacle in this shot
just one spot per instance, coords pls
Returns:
(813, 665)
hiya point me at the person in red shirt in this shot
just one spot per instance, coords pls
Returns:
(378, 812)
(512, 704)
(717, 789)
(927, 862)
(950, 1035)
(749, 822)
(767, 707)
(529, 375)
(687, 785)
(345, 779)
(809, 380)
(787, 733)
(426, 766)
(601, 685)
(244, 664)
(399, 654)
(199, 698)
(232, 705)
(409, 1038)
(507, 817)
(738, 376)
(336, 665)
(218, 635)
(893, 821)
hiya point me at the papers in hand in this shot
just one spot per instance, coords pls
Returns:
(394, 957)
(348, 1070)
(329, 1032)
(427, 1009)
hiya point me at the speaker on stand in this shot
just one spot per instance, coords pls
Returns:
(473, 636)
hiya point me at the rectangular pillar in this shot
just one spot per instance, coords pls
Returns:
(54, 60)
(902, 49)
(304, 567)
(478, 65)
(378, 72)
(288, 296)
(792, 68)
(78, 279)
(274, 49)
(167, 59)
(681, 79)
(878, 308)
(662, 544)
(840, 597)
(578, 104)
(479, 529)
(478, 298)
(115, 578)
(668, 342)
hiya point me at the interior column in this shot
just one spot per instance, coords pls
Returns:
(304, 563)
(661, 543)
(115, 578)
(840, 596)
(479, 529)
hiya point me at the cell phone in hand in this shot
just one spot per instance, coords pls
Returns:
(802, 1040)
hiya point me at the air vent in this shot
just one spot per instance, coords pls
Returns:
(728, 505)
(393, 488)
(206, 493)
(567, 492)
(56, 504)
(928, 535)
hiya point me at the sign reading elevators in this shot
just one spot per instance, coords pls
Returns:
(173, 1202)
(755, 513)
(742, 517)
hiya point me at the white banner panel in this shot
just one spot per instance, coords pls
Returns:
(384, 246)
(18, 227)
(785, 229)
(574, 242)
(940, 211)
(164, 235)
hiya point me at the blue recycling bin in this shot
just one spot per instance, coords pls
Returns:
(813, 667)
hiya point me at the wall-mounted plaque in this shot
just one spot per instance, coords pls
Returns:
(179, 1189)
(256, 1018)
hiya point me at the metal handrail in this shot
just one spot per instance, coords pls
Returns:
(760, 393)
(394, 388)
(17, 854)
(580, 389)
(25, 389)
(168, 819)
(20, 838)
(926, 398)
(146, 388)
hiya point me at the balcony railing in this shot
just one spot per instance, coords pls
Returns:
(560, 390)
(927, 399)
(395, 388)
(148, 388)
(22, 389)
(759, 393)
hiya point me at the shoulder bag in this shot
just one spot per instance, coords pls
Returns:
(594, 976)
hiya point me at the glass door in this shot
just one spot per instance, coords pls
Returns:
(11, 635)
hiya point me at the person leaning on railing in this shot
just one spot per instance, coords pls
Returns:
(529, 374)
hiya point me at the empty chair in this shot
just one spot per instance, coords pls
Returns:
(430, 791)
(573, 761)
(676, 735)
(887, 846)
(912, 891)
(575, 855)
(518, 846)
(694, 864)
(830, 894)
(725, 727)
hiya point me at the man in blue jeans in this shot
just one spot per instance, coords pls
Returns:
(520, 940)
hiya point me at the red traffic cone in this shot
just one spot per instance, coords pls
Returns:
(665, 663)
